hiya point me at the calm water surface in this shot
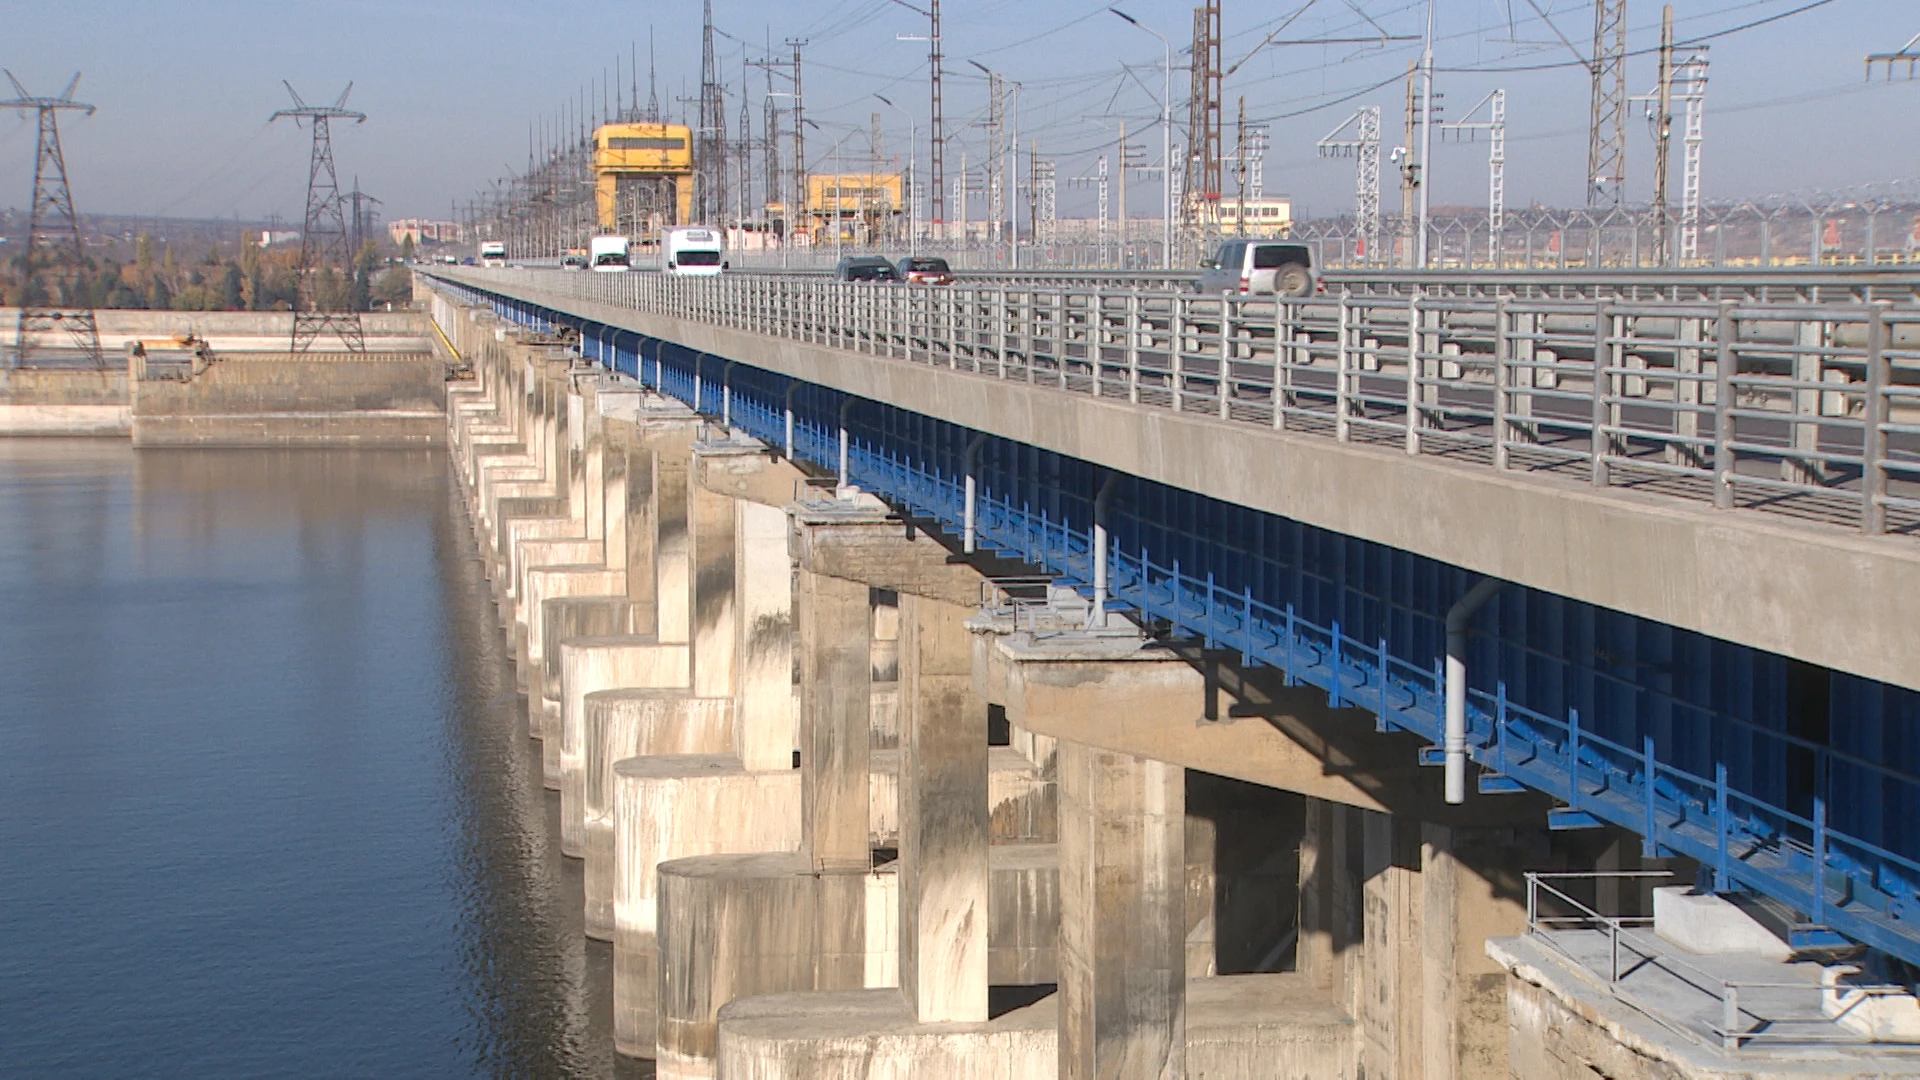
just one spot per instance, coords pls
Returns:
(267, 804)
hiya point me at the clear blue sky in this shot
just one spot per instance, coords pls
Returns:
(450, 86)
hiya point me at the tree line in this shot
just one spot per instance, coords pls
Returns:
(251, 279)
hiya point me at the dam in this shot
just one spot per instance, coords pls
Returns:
(622, 702)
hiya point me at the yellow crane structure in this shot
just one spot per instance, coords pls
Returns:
(643, 177)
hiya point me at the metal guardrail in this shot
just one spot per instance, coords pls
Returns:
(1738, 1024)
(1800, 409)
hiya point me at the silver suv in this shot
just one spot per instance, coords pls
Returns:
(1259, 268)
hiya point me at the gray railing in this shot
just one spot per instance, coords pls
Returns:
(1745, 1011)
(1810, 410)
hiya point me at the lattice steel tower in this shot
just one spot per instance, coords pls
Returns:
(710, 159)
(1607, 129)
(54, 260)
(1363, 145)
(325, 238)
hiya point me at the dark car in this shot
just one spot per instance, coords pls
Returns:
(864, 268)
(924, 270)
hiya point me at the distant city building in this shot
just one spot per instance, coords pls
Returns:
(418, 229)
(270, 237)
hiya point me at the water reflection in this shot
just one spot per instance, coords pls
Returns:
(267, 803)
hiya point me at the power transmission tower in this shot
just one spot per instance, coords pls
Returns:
(1203, 181)
(1690, 86)
(55, 264)
(1043, 197)
(743, 199)
(797, 213)
(710, 163)
(996, 156)
(1098, 181)
(359, 224)
(1607, 128)
(323, 241)
(1468, 129)
(1257, 135)
(1364, 147)
(1906, 56)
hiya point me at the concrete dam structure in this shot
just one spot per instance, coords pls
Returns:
(858, 795)
(228, 379)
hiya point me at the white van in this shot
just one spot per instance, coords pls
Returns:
(693, 251)
(493, 253)
(608, 254)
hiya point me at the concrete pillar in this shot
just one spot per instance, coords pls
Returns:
(673, 585)
(836, 670)
(669, 808)
(711, 549)
(1390, 1017)
(944, 832)
(622, 724)
(589, 665)
(1122, 916)
(764, 715)
(1468, 895)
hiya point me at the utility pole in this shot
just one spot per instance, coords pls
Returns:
(1240, 169)
(323, 239)
(53, 238)
(1426, 136)
(937, 143)
(798, 211)
(1169, 177)
(1607, 127)
(1409, 171)
(1662, 136)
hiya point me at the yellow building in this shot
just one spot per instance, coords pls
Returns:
(1265, 217)
(862, 206)
(643, 177)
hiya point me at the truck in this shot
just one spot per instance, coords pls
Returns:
(609, 254)
(693, 251)
(493, 253)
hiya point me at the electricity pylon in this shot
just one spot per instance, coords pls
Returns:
(325, 238)
(55, 264)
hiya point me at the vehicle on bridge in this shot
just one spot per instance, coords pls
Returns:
(924, 270)
(864, 268)
(692, 251)
(573, 260)
(609, 254)
(493, 253)
(1259, 268)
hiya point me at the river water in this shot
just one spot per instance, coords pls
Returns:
(267, 802)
